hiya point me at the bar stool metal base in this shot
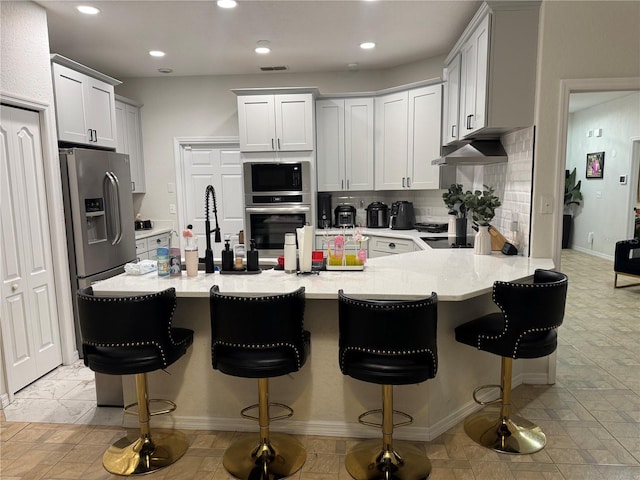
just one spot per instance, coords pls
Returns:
(137, 454)
(506, 435)
(280, 458)
(368, 461)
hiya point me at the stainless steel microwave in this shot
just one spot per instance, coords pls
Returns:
(271, 184)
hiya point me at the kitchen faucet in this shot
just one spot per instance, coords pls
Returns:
(208, 254)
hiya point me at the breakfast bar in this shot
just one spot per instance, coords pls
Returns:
(324, 401)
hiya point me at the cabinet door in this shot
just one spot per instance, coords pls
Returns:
(330, 150)
(294, 122)
(391, 141)
(134, 143)
(256, 123)
(473, 80)
(121, 127)
(451, 111)
(424, 137)
(358, 142)
(100, 112)
(71, 104)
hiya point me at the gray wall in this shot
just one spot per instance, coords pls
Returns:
(604, 209)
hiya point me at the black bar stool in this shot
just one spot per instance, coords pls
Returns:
(260, 337)
(526, 327)
(390, 343)
(133, 336)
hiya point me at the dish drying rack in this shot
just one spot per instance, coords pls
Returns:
(346, 250)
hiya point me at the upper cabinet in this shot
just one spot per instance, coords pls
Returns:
(344, 129)
(278, 122)
(491, 72)
(408, 133)
(129, 135)
(85, 104)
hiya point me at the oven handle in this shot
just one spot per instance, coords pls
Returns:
(283, 209)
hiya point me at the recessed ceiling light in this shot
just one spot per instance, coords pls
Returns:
(88, 10)
(156, 53)
(165, 70)
(262, 47)
(367, 45)
(227, 3)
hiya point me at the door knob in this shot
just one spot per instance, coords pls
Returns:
(14, 287)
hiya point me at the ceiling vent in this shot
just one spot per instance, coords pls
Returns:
(276, 68)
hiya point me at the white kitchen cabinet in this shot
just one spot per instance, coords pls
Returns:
(408, 126)
(344, 130)
(473, 79)
(129, 135)
(382, 246)
(146, 247)
(497, 55)
(451, 96)
(85, 104)
(276, 123)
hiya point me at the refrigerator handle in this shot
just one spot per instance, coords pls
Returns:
(119, 211)
(114, 207)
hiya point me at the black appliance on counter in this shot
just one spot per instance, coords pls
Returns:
(345, 216)
(432, 227)
(324, 210)
(377, 215)
(446, 242)
(403, 216)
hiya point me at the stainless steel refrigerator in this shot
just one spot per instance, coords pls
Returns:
(99, 220)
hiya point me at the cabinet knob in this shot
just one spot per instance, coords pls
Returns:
(392, 245)
(14, 287)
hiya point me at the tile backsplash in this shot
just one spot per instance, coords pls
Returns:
(512, 182)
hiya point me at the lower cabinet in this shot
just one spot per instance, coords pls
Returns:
(381, 246)
(146, 247)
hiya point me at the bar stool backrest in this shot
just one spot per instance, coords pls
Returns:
(389, 327)
(128, 321)
(258, 321)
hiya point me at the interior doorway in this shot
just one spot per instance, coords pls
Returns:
(567, 88)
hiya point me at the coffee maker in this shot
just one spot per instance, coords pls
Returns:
(324, 210)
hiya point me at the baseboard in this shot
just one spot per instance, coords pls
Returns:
(4, 400)
(591, 252)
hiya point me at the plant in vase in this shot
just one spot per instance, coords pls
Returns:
(572, 196)
(482, 205)
(454, 200)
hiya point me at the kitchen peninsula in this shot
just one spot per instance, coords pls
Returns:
(326, 402)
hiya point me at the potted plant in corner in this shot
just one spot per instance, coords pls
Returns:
(482, 205)
(454, 200)
(572, 196)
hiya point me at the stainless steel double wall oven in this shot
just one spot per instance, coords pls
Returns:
(277, 201)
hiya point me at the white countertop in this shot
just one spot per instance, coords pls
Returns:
(454, 274)
(140, 234)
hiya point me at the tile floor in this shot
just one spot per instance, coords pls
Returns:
(591, 415)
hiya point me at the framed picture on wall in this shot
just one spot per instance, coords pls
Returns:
(595, 165)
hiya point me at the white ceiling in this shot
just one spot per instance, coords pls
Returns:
(200, 38)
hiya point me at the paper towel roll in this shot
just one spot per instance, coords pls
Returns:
(305, 247)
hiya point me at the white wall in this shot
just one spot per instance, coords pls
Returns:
(205, 106)
(577, 40)
(604, 209)
(25, 80)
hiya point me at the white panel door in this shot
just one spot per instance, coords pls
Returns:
(391, 141)
(294, 122)
(101, 112)
(70, 92)
(256, 123)
(330, 138)
(358, 126)
(220, 166)
(30, 334)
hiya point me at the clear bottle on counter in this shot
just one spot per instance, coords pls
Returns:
(290, 260)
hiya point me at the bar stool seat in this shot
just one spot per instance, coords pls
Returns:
(260, 337)
(390, 343)
(525, 327)
(133, 336)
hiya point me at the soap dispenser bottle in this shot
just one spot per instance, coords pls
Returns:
(252, 257)
(227, 255)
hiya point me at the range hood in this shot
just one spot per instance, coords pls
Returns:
(473, 152)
